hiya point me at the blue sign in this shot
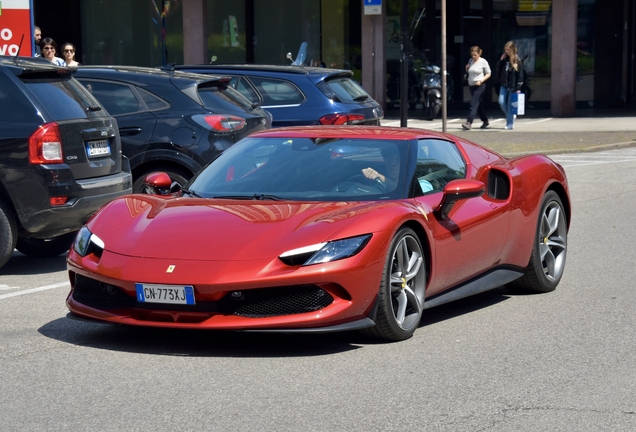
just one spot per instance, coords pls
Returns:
(373, 2)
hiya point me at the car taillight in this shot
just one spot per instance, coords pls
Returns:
(340, 119)
(45, 145)
(225, 123)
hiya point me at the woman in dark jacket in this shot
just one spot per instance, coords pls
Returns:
(510, 73)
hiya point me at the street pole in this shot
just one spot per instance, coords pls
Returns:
(404, 66)
(444, 90)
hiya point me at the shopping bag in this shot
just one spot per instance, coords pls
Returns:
(518, 103)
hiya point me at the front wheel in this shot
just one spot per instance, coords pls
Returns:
(401, 297)
(547, 261)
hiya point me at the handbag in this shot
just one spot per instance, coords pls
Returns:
(518, 103)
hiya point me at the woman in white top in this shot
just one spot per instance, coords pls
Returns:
(48, 51)
(478, 72)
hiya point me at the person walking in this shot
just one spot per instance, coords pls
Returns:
(68, 51)
(510, 73)
(478, 72)
(49, 47)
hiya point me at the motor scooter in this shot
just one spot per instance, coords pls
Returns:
(432, 90)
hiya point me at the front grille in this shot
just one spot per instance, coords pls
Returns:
(498, 185)
(254, 303)
(99, 295)
(278, 301)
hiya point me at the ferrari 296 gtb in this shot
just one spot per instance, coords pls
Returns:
(320, 229)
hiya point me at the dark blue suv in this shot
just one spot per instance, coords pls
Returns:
(298, 95)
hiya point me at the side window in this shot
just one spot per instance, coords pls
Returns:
(245, 89)
(277, 92)
(152, 102)
(116, 98)
(438, 162)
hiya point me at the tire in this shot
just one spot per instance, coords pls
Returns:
(401, 297)
(177, 174)
(45, 248)
(8, 233)
(547, 261)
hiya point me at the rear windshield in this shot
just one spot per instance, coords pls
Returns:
(64, 99)
(347, 89)
(223, 97)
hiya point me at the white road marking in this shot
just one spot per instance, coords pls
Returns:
(7, 287)
(595, 158)
(34, 290)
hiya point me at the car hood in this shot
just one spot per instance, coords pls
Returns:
(212, 229)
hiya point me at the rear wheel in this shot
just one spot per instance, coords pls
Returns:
(44, 248)
(8, 233)
(547, 261)
(177, 174)
(401, 297)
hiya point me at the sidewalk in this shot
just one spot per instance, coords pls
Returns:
(539, 133)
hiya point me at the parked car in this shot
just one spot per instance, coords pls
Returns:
(172, 122)
(298, 95)
(60, 157)
(324, 228)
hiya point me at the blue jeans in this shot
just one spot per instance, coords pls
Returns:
(505, 100)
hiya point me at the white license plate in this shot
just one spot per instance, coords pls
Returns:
(97, 148)
(172, 294)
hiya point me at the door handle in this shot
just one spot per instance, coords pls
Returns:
(127, 131)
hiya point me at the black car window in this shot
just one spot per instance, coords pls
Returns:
(222, 96)
(14, 106)
(277, 92)
(152, 102)
(117, 99)
(347, 89)
(59, 98)
(438, 162)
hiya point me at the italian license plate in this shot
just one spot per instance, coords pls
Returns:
(97, 148)
(171, 294)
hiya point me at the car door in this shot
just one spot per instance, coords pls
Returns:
(471, 238)
(136, 122)
(282, 98)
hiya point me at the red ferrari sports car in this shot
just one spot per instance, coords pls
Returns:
(319, 229)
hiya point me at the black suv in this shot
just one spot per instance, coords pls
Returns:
(172, 122)
(60, 157)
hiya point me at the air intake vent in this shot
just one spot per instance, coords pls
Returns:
(498, 185)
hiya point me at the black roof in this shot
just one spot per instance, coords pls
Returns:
(306, 70)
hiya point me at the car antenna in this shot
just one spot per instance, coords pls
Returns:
(15, 57)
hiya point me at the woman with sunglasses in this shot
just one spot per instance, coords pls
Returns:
(48, 51)
(68, 51)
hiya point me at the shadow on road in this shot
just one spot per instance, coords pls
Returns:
(20, 264)
(202, 343)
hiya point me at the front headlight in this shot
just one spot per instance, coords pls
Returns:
(87, 242)
(325, 252)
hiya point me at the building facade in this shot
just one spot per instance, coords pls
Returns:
(578, 53)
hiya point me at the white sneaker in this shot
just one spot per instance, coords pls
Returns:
(514, 116)
(509, 127)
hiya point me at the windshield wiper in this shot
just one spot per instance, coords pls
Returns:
(191, 193)
(361, 98)
(250, 197)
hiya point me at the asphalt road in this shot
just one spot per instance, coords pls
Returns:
(495, 362)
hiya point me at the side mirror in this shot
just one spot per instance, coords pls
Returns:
(157, 183)
(458, 190)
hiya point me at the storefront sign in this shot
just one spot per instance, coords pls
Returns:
(16, 28)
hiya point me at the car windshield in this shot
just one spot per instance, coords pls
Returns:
(221, 96)
(306, 169)
(347, 90)
(64, 99)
